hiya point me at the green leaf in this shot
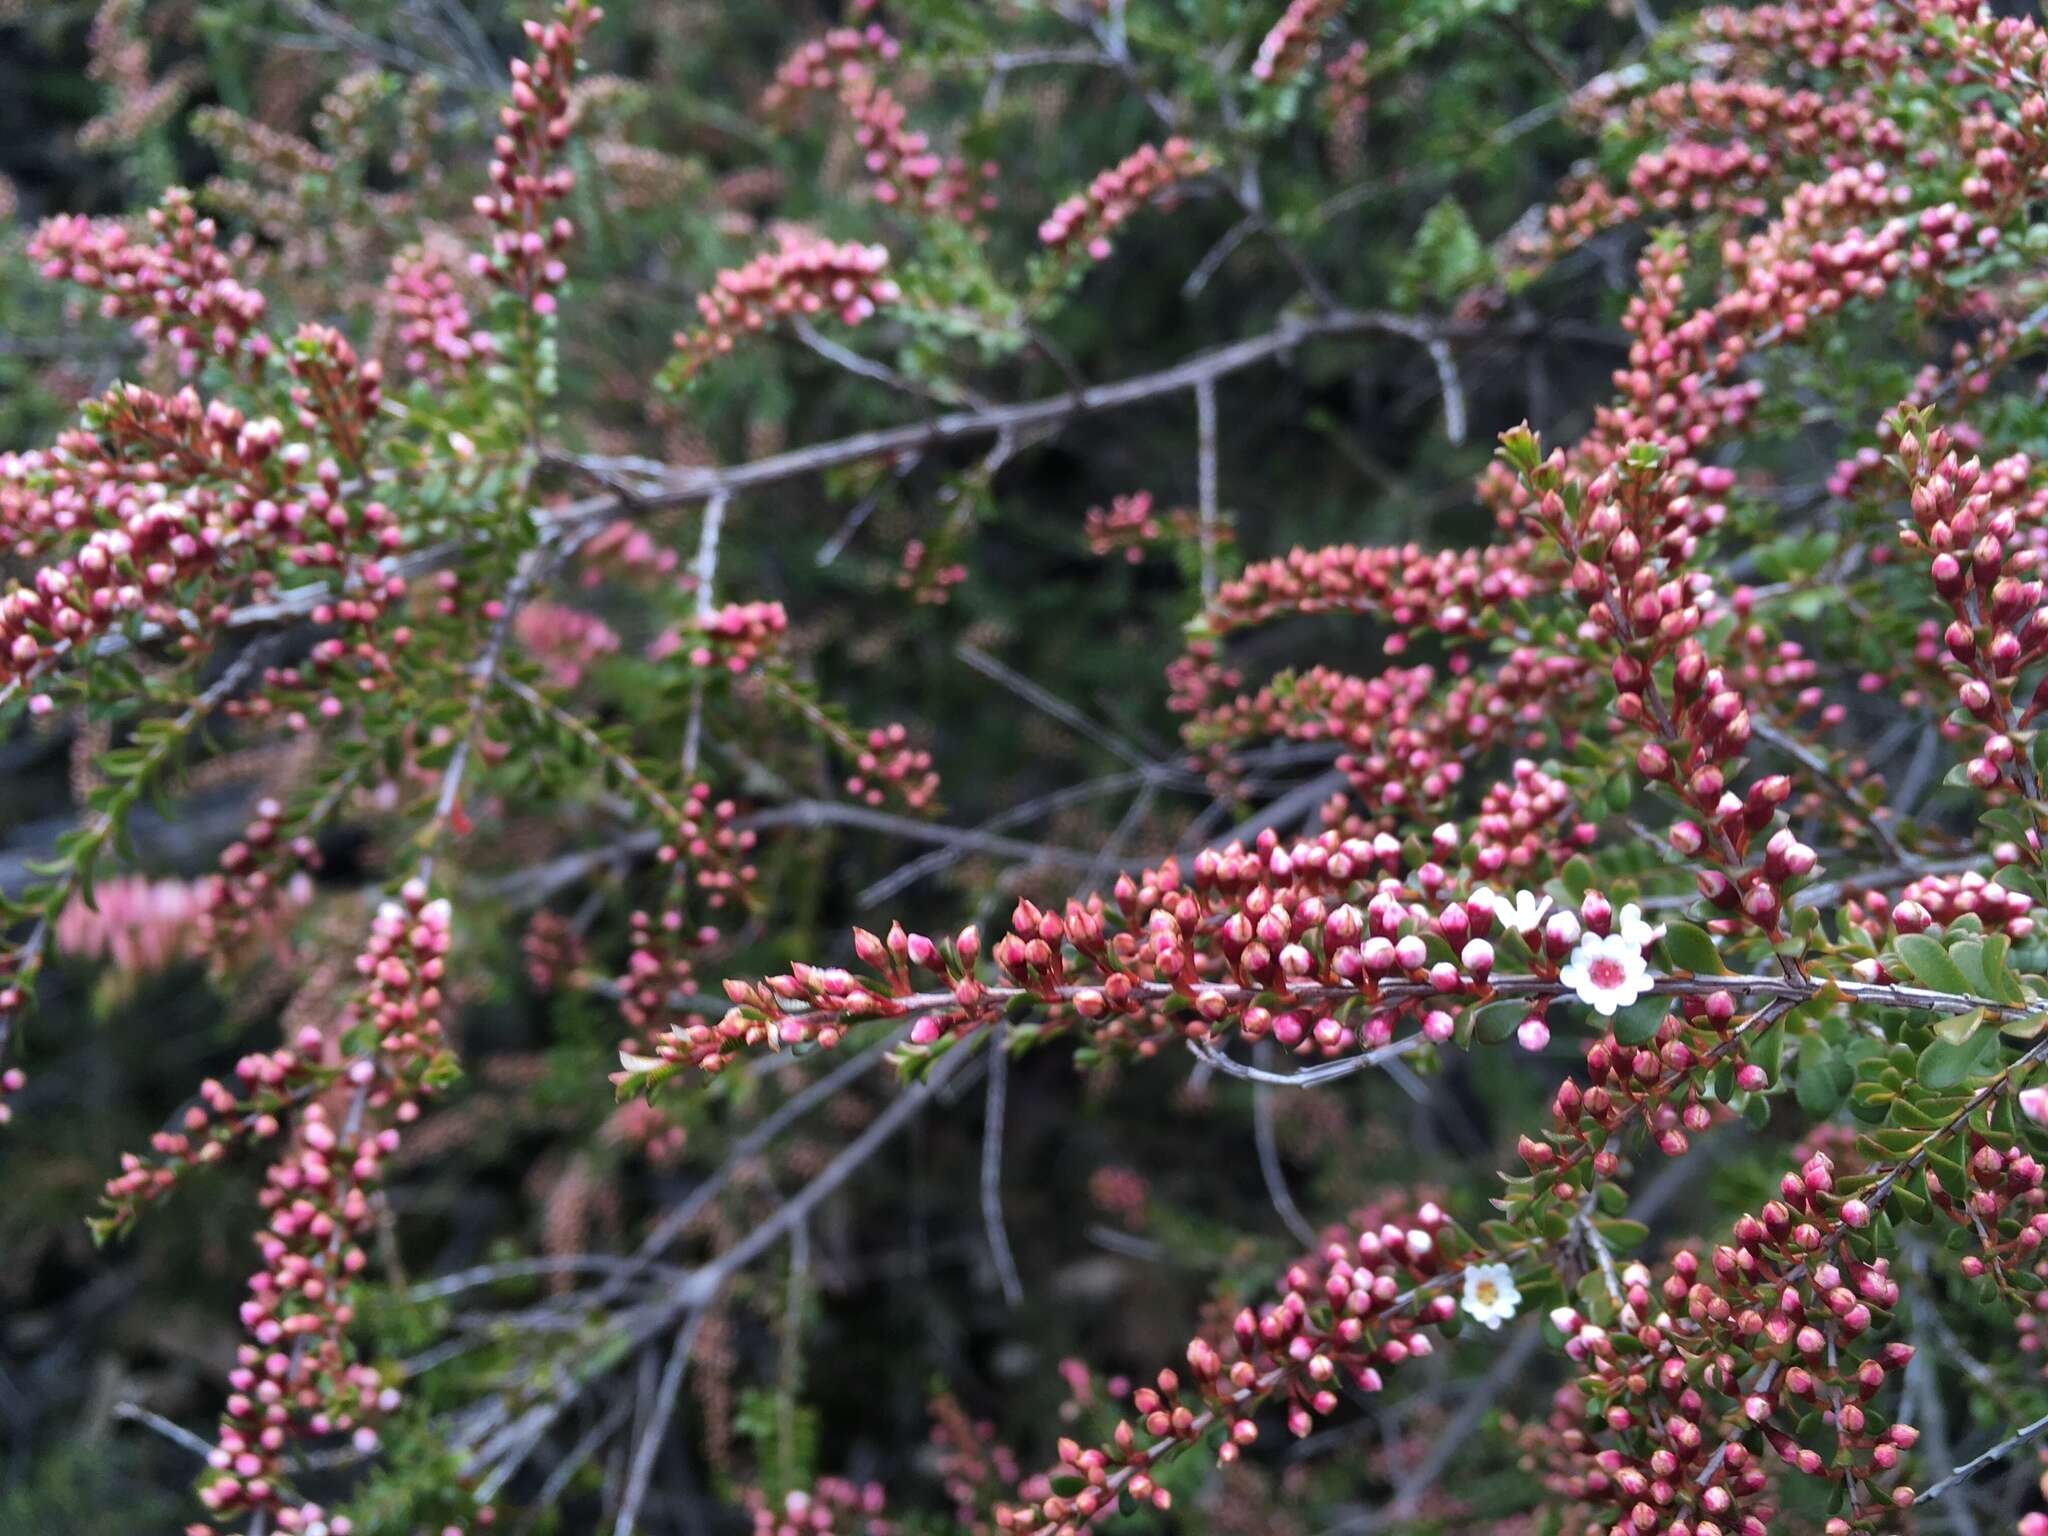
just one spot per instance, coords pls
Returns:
(2028, 1028)
(1577, 877)
(1638, 1023)
(1930, 965)
(1620, 1234)
(1968, 956)
(1959, 1027)
(1998, 976)
(2014, 878)
(1690, 948)
(1497, 1021)
(1447, 258)
(1950, 1064)
(1823, 1078)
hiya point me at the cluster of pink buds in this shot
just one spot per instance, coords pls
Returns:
(707, 843)
(1449, 592)
(1696, 178)
(178, 288)
(358, 659)
(334, 391)
(552, 950)
(888, 768)
(831, 1507)
(1264, 940)
(1629, 535)
(1834, 241)
(1347, 98)
(1404, 740)
(439, 337)
(1657, 1085)
(827, 63)
(1789, 1294)
(1684, 1383)
(974, 1467)
(2001, 1203)
(802, 278)
(1120, 1193)
(625, 550)
(565, 640)
(262, 876)
(660, 968)
(46, 495)
(1343, 1316)
(526, 252)
(1285, 50)
(1630, 1442)
(1526, 822)
(907, 171)
(927, 580)
(648, 1130)
(190, 491)
(1131, 524)
(1936, 901)
(736, 637)
(1086, 221)
(267, 1084)
(119, 574)
(1987, 570)
(296, 1375)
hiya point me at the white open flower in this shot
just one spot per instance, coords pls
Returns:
(1607, 972)
(1630, 925)
(1525, 913)
(1490, 1294)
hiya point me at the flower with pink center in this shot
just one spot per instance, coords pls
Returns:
(1607, 973)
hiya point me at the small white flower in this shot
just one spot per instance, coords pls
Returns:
(1490, 1294)
(1630, 925)
(1607, 973)
(1525, 913)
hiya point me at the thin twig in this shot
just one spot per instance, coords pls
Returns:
(1051, 704)
(177, 1434)
(1205, 476)
(509, 1449)
(845, 357)
(582, 1451)
(649, 1447)
(819, 1091)
(1307, 1077)
(1453, 388)
(1979, 1462)
(531, 570)
(992, 1168)
(1823, 774)
(683, 485)
(706, 569)
(1268, 1145)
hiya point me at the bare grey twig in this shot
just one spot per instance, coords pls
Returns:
(992, 1168)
